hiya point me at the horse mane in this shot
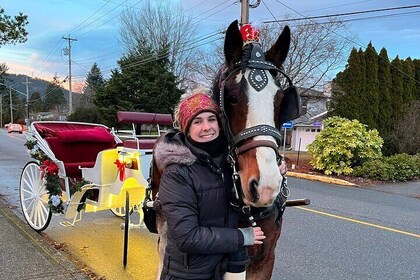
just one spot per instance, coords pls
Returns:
(215, 89)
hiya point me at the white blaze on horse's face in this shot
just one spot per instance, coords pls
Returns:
(261, 111)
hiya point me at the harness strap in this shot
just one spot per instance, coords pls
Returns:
(257, 130)
(255, 144)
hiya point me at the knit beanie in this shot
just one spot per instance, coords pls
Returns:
(192, 106)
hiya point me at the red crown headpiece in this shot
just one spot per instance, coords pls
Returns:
(250, 34)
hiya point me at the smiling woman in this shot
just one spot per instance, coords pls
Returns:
(203, 240)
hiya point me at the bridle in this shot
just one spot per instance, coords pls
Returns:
(253, 59)
(258, 80)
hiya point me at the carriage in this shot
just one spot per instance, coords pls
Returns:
(84, 168)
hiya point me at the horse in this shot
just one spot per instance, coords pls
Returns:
(253, 104)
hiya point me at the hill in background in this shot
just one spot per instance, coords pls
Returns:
(35, 85)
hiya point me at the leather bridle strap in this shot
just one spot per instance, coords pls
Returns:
(255, 144)
(258, 130)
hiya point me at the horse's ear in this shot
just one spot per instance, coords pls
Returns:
(233, 44)
(278, 52)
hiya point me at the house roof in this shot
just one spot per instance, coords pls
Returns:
(315, 107)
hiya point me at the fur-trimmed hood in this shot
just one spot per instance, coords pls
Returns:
(171, 148)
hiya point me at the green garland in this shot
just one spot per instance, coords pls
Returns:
(51, 178)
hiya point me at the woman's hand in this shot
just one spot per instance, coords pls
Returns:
(283, 167)
(258, 235)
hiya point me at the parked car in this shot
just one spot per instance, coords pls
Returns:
(14, 127)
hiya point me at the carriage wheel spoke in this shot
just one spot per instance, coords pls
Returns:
(26, 199)
(43, 200)
(42, 211)
(30, 205)
(33, 216)
(32, 175)
(28, 192)
(39, 209)
(28, 185)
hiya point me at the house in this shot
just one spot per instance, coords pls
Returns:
(309, 124)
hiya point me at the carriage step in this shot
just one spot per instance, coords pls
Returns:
(67, 224)
(132, 225)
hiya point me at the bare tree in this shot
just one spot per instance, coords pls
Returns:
(315, 50)
(161, 25)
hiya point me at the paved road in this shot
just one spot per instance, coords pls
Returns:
(346, 232)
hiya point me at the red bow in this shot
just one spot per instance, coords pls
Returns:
(50, 167)
(250, 33)
(121, 168)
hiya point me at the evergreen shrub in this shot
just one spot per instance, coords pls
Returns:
(342, 145)
(399, 167)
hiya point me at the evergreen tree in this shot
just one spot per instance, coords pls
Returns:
(12, 30)
(143, 83)
(416, 63)
(35, 102)
(348, 86)
(94, 81)
(397, 88)
(54, 96)
(384, 120)
(408, 81)
(370, 97)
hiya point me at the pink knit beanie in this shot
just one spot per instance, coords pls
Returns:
(192, 106)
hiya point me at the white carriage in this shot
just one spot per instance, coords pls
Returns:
(83, 167)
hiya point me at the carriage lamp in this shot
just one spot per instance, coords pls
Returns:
(126, 159)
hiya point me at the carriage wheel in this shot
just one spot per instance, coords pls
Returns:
(34, 197)
(126, 227)
(120, 211)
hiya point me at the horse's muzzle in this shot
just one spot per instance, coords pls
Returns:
(253, 189)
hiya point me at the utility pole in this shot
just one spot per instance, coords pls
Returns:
(1, 109)
(11, 105)
(244, 12)
(27, 101)
(70, 92)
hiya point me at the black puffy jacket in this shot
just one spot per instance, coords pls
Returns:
(194, 193)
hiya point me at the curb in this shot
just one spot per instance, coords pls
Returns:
(320, 178)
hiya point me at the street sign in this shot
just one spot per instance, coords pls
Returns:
(317, 124)
(288, 124)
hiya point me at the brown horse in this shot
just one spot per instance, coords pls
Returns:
(254, 105)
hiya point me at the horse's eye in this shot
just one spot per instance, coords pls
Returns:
(232, 99)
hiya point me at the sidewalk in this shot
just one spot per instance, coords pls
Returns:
(24, 254)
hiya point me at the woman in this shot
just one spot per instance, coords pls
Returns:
(194, 193)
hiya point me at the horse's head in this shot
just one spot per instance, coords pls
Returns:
(254, 105)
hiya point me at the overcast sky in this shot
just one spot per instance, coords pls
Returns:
(95, 25)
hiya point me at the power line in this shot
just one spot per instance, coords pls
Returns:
(357, 43)
(342, 14)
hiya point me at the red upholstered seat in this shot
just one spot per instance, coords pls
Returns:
(73, 171)
(144, 144)
(76, 144)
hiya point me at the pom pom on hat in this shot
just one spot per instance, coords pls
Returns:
(192, 106)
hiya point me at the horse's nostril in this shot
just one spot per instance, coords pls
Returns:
(253, 189)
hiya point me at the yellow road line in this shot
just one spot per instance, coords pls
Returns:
(357, 221)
